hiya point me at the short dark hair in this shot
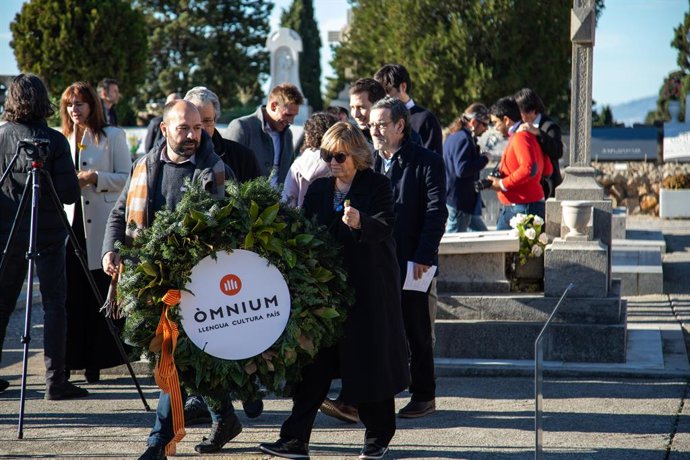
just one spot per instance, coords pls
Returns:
(529, 101)
(398, 111)
(27, 100)
(286, 93)
(337, 110)
(392, 76)
(506, 107)
(106, 83)
(374, 89)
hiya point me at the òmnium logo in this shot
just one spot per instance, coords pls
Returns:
(230, 284)
(238, 307)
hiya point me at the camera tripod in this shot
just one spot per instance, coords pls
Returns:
(36, 150)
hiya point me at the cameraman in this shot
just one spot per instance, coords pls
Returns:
(464, 162)
(26, 111)
(522, 165)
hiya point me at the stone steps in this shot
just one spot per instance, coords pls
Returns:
(637, 262)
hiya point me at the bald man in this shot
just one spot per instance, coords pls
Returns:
(186, 152)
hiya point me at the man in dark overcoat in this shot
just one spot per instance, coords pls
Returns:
(419, 190)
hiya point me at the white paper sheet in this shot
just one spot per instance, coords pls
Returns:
(422, 284)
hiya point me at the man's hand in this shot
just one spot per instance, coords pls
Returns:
(111, 263)
(419, 270)
(529, 128)
(495, 183)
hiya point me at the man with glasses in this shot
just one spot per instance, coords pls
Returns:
(241, 159)
(464, 162)
(266, 132)
(419, 189)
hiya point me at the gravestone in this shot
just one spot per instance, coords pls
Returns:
(284, 46)
(677, 134)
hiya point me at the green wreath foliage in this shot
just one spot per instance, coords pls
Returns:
(250, 217)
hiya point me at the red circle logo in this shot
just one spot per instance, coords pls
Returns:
(230, 284)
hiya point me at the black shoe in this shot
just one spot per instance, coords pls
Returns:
(221, 434)
(286, 448)
(373, 451)
(253, 409)
(416, 409)
(92, 375)
(196, 413)
(154, 453)
(64, 390)
(3, 385)
(68, 374)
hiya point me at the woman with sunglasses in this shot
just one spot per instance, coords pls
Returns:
(356, 204)
(464, 163)
(103, 162)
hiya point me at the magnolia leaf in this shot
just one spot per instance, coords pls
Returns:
(304, 238)
(306, 343)
(326, 312)
(253, 211)
(269, 214)
(250, 368)
(148, 268)
(249, 241)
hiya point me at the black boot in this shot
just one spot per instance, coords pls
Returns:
(154, 453)
(221, 433)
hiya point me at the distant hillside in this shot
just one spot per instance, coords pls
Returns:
(633, 111)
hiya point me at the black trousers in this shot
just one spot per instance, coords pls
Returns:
(415, 309)
(378, 417)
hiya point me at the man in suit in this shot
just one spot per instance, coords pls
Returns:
(397, 83)
(109, 93)
(419, 189)
(363, 94)
(266, 132)
(546, 130)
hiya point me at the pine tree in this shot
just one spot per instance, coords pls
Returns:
(219, 44)
(68, 40)
(300, 17)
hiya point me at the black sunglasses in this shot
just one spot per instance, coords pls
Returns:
(328, 156)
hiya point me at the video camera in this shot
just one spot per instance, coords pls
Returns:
(35, 148)
(483, 184)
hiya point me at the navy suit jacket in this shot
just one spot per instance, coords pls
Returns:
(419, 191)
(463, 165)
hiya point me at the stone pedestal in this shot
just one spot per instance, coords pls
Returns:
(583, 263)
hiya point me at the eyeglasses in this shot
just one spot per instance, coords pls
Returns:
(380, 126)
(328, 156)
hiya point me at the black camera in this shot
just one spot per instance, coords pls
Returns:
(36, 148)
(484, 184)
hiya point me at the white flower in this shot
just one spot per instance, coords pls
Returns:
(514, 232)
(543, 239)
(513, 222)
(531, 234)
(537, 250)
(538, 220)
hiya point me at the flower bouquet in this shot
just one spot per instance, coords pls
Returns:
(527, 265)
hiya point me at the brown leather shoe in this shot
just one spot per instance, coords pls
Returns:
(338, 409)
(416, 409)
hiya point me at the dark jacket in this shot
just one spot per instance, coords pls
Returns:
(463, 165)
(552, 144)
(373, 351)
(250, 131)
(205, 159)
(419, 190)
(241, 159)
(428, 127)
(58, 165)
(153, 133)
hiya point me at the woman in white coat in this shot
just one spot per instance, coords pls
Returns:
(103, 163)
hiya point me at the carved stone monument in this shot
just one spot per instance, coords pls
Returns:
(285, 45)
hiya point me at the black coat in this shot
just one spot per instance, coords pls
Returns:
(373, 350)
(58, 165)
(241, 159)
(419, 190)
(552, 144)
(428, 127)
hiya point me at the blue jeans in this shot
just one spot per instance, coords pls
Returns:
(162, 431)
(537, 208)
(50, 268)
(460, 221)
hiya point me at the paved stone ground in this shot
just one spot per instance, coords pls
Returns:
(586, 416)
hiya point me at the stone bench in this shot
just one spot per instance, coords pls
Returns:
(475, 261)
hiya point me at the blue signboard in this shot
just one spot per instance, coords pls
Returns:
(619, 144)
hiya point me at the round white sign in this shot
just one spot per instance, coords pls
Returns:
(239, 306)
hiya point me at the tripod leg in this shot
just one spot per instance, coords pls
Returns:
(15, 227)
(80, 255)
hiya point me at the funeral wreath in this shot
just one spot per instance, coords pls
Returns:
(250, 217)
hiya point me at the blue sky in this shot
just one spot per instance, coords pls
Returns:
(631, 57)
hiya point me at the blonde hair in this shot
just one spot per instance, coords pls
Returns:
(346, 138)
